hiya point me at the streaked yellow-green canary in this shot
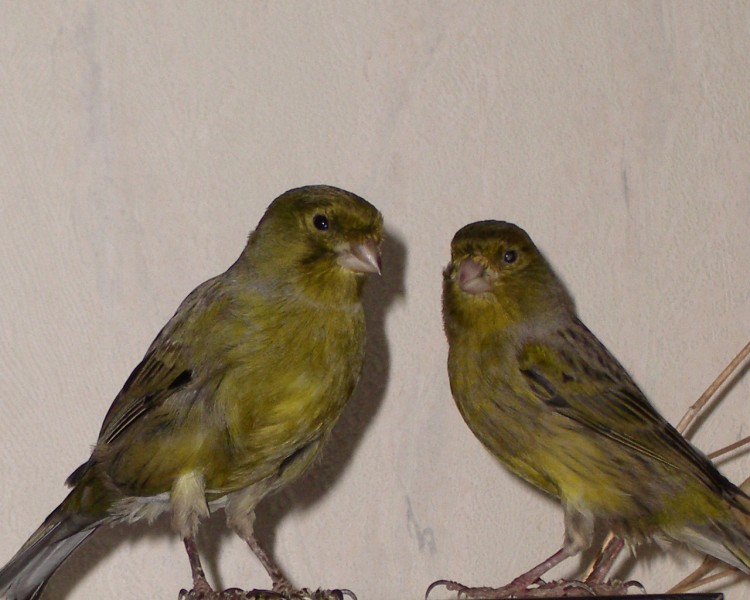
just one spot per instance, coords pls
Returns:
(546, 398)
(236, 394)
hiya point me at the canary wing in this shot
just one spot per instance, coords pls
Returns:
(168, 368)
(576, 376)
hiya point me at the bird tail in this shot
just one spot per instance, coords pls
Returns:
(726, 538)
(727, 543)
(739, 535)
(26, 574)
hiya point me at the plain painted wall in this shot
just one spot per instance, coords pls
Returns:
(140, 142)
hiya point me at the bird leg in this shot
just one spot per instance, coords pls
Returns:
(519, 587)
(280, 583)
(240, 511)
(530, 584)
(201, 587)
(533, 575)
(604, 562)
(240, 518)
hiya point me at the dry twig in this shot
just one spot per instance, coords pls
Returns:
(695, 409)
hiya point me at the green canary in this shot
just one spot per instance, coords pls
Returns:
(237, 393)
(546, 398)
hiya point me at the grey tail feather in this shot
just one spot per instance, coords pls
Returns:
(729, 542)
(25, 575)
(739, 545)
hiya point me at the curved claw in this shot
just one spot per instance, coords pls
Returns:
(634, 583)
(451, 586)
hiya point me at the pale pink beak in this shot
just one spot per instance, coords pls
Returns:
(472, 277)
(363, 257)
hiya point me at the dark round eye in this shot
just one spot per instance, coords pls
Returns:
(510, 256)
(320, 222)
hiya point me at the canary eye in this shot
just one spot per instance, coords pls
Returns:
(510, 256)
(320, 222)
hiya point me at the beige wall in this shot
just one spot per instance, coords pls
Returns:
(139, 143)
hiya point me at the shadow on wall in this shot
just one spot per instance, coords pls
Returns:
(301, 494)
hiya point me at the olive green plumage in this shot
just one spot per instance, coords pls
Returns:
(239, 389)
(546, 397)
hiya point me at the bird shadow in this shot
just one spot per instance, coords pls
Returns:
(301, 494)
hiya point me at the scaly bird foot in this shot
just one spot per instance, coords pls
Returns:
(290, 594)
(319, 594)
(231, 594)
(518, 588)
(301, 594)
(202, 590)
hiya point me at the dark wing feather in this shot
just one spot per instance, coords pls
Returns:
(578, 378)
(167, 366)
